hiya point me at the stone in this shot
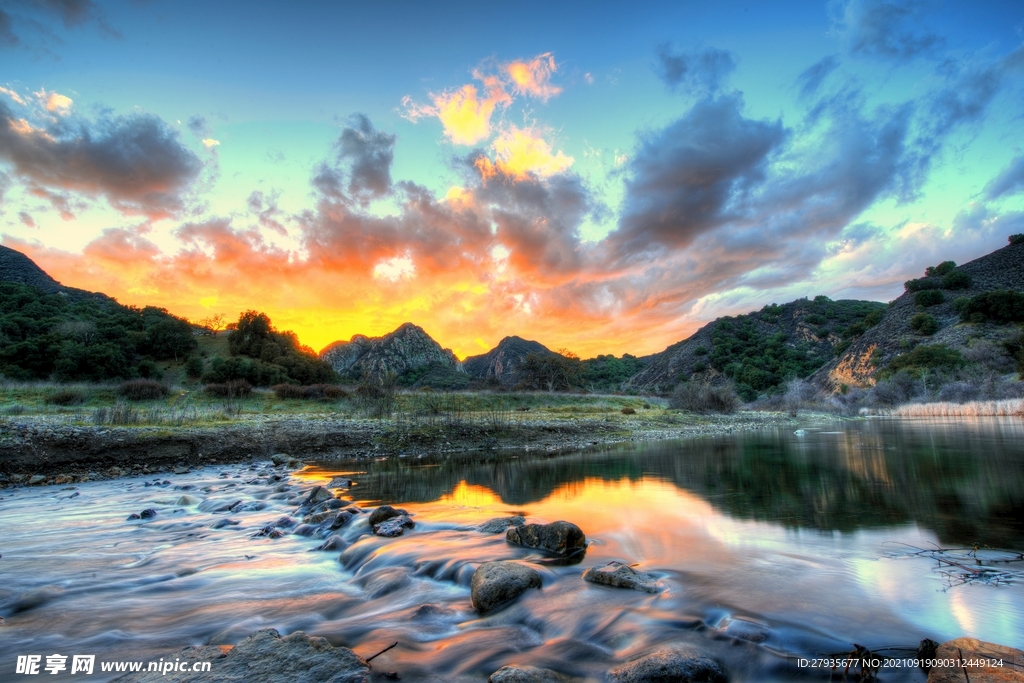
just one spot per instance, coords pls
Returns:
(340, 483)
(1012, 670)
(148, 513)
(63, 479)
(526, 674)
(497, 583)
(188, 500)
(317, 517)
(500, 524)
(266, 656)
(181, 469)
(385, 512)
(221, 523)
(280, 458)
(677, 665)
(394, 526)
(341, 519)
(384, 581)
(318, 495)
(36, 479)
(558, 537)
(621, 576)
(332, 543)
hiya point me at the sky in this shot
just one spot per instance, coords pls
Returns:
(599, 177)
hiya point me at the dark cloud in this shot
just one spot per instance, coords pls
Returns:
(199, 126)
(26, 219)
(1009, 181)
(265, 208)
(137, 161)
(700, 71)
(889, 29)
(34, 17)
(369, 153)
(811, 79)
(61, 201)
(690, 177)
(71, 12)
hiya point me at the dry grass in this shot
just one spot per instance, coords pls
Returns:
(1013, 407)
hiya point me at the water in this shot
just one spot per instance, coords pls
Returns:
(768, 546)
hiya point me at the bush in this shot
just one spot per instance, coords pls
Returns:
(926, 357)
(315, 392)
(899, 388)
(700, 351)
(286, 391)
(699, 397)
(924, 324)
(148, 370)
(66, 397)
(956, 280)
(194, 367)
(1016, 239)
(960, 304)
(873, 318)
(628, 411)
(143, 390)
(921, 284)
(929, 297)
(944, 268)
(1000, 305)
(233, 389)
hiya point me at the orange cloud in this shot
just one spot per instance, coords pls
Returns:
(54, 102)
(534, 77)
(522, 152)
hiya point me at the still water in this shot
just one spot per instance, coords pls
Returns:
(768, 546)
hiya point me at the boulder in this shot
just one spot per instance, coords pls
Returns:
(319, 494)
(385, 512)
(499, 524)
(280, 458)
(266, 656)
(36, 479)
(332, 543)
(188, 500)
(395, 526)
(526, 674)
(340, 483)
(385, 581)
(1012, 669)
(678, 665)
(621, 576)
(496, 583)
(558, 537)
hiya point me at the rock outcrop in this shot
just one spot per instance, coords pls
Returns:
(265, 656)
(407, 348)
(501, 364)
(497, 583)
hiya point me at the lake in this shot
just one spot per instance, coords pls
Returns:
(767, 546)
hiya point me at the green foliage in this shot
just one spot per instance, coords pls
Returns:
(607, 373)
(551, 372)
(1016, 239)
(194, 367)
(700, 351)
(855, 330)
(929, 297)
(874, 317)
(1000, 305)
(957, 280)
(960, 304)
(921, 284)
(924, 324)
(924, 357)
(77, 336)
(148, 370)
(944, 268)
(264, 356)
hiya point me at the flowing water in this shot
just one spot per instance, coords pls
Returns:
(768, 546)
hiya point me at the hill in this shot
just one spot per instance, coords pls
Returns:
(503, 363)
(409, 352)
(760, 350)
(951, 316)
(17, 268)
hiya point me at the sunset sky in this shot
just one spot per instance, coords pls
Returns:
(601, 177)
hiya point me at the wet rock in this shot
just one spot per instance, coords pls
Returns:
(318, 495)
(148, 513)
(670, 666)
(221, 505)
(334, 543)
(500, 524)
(32, 599)
(526, 674)
(621, 576)
(341, 519)
(384, 581)
(63, 479)
(558, 537)
(394, 526)
(496, 583)
(132, 516)
(304, 530)
(285, 522)
(36, 479)
(269, 531)
(428, 611)
(266, 656)
(317, 517)
(747, 630)
(181, 469)
(340, 483)
(280, 458)
(221, 523)
(385, 512)
(1012, 669)
(188, 500)
(251, 506)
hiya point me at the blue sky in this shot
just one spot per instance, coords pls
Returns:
(620, 174)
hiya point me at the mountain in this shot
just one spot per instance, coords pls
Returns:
(16, 267)
(759, 350)
(928, 316)
(502, 363)
(406, 349)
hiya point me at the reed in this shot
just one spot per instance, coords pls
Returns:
(1013, 407)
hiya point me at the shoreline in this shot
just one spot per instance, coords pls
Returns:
(45, 450)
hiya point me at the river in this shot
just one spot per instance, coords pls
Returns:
(768, 547)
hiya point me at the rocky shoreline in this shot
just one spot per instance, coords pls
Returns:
(40, 450)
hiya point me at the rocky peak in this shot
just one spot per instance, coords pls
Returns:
(502, 363)
(407, 348)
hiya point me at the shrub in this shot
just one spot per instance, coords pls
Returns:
(854, 330)
(1017, 239)
(924, 324)
(148, 370)
(944, 268)
(929, 297)
(700, 366)
(960, 304)
(628, 411)
(1000, 305)
(143, 390)
(194, 367)
(699, 397)
(66, 397)
(873, 318)
(285, 391)
(921, 284)
(927, 357)
(956, 280)
(700, 351)
(233, 389)
(899, 388)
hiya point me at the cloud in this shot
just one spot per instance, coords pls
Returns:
(32, 17)
(137, 162)
(812, 77)
(265, 208)
(701, 72)
(533, 77)
(1010, 180)
(522, 152)
(26, 219)
(210, 143)
(199, 126)
(888, 29)
(54, 102)
(13, 95)
(369, 153)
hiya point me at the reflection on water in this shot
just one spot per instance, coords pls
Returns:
(768, 545)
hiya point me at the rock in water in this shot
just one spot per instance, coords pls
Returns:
(526, 674)
(385, 512)
(37, 479)
(280, 458)
(621, 576)
(1012, 669)
(499, 524)
(395, 526)
(266, 656)
(670, 666)
(496, 583)
(558, 537)
(318, 495)
(340, 483)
